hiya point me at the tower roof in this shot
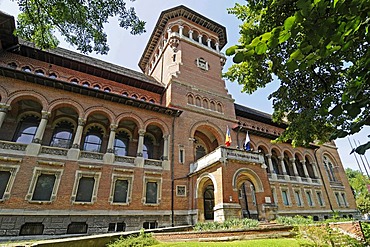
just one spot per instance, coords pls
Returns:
(185, 12)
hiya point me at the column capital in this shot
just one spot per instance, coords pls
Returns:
(4, 107)
(181, 27)
(303, 162)
(165, 137)
(191, 31)
(113, 127)
(81, 121)
(281, 158)
(268, 156)
(292, 160)
(45, 114)
(141, 132)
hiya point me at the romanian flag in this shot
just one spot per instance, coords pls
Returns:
(228, 137)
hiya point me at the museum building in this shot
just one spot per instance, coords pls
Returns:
(91, 147)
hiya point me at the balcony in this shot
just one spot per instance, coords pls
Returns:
(224, 154)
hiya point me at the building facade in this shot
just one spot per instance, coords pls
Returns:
(91, 147)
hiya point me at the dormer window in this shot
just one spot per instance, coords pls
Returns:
(202, 63)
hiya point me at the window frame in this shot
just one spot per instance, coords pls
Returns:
(78, 176)
(320, 198)
(309, 197)
(298, 197)
(130, 179)
(13, 172)
(146, 180)
(37, 171)
(286, 190)
(344, 199)
(177, 191)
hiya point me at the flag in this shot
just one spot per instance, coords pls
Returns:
(228, 137)
(247, 143)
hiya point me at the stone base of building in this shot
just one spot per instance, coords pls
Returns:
(225, 211)
(94, 224)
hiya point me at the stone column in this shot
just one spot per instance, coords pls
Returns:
(41, 128)
(305, 169)
(74, 152)
(165, 147)
(281, 159)
(180, 30)
(209, 43)
(139, 160)
(3, 110)
(169, 33)
(112, 137)
(108, 157)
(78, 135)
(272, 171)
(295, 170)
(200, 38)
(217, 47)
(190, 34)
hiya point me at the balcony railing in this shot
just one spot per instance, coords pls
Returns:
(91, 155)
(149, 162)
(223, 154)
(13, 146)
(54, 151)
(125, 159)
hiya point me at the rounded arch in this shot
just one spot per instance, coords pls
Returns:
(202, 180)
(91, 125)
(3, 94)
(309, 157)
(67, 103)
(215, 130)
(276, 150)
(243, 174)
(159, 123)
(287, 152)
(28, 95)
(262, 146)
(102, 110)
(130, 116)
(298, 155)
(66, 119)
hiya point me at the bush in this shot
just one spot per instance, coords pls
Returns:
(141, 240)
(294, 221)
(226, 225)
(366, 230)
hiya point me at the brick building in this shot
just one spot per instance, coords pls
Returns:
(90, 147)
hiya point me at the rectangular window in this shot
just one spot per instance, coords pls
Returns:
(338, 199)
(274, 195)
(117, 227)
(44, 187)
(319, 198)
(120, 191)
(181, 190)
(298, 198)
(182, 155)
(151, 193)
(4, 180)
(31, 229)
(344, 199)
(309, 198)
(77, 228)
(150, 225)
(85, 189)
(284, 194)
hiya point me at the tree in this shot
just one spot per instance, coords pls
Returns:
(81, 23)
(359, 184)
(319, 51)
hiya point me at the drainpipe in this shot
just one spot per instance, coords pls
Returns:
(172, 171)
(322, 179)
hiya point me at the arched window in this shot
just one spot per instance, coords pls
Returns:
(74, 81)
(12, 65)
(197, 101)
(121, 144)
(148, 148)
(299, 166)
(200, 151)
(62, 136)
(26, 129)
(53, 75)
(134, 96)
(329, 168)
(209, 203)
(26, 69)
(275, 162)
(190, 99)
(39, 72)
(93, 139)
(107, 89)
(86, 84)
(152, 101)
(96, 86)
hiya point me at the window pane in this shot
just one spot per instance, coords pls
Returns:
(285, 198)
(44, 187)
(77, 228)
(85, 189)
(32, 229)
(62, 135)
(120, 191)
(4, 179)
(151, 192)
(120, 147)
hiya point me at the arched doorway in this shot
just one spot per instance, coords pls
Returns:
(209, 202)
(247, 200)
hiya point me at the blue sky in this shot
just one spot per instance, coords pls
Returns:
(125, 50)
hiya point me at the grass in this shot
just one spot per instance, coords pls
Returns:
(280, 242)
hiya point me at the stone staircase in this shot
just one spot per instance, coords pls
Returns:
(263, 231)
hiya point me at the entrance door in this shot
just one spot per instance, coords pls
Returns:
(247, 200)
(209, 203)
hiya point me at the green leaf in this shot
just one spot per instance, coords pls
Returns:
(284, 36)
(362, 148)
(297, 55)
(336, 111)
(239, 57)
(292, 65)
(261, 48)
(289, 22)
(231, 50)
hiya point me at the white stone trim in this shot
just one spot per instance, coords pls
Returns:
(79, 175)
(130, 180)
(13, 172)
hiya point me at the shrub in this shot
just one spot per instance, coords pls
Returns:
(227, 224)
(366, 230)
(141, 240)
(294, 221)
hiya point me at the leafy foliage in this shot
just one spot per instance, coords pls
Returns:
(318, 49)
(366, 230)
(228, 224)
(143, 239)
(359, 184)
(294, 221)
(80, 22)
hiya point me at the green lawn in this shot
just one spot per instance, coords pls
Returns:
(282, 242)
